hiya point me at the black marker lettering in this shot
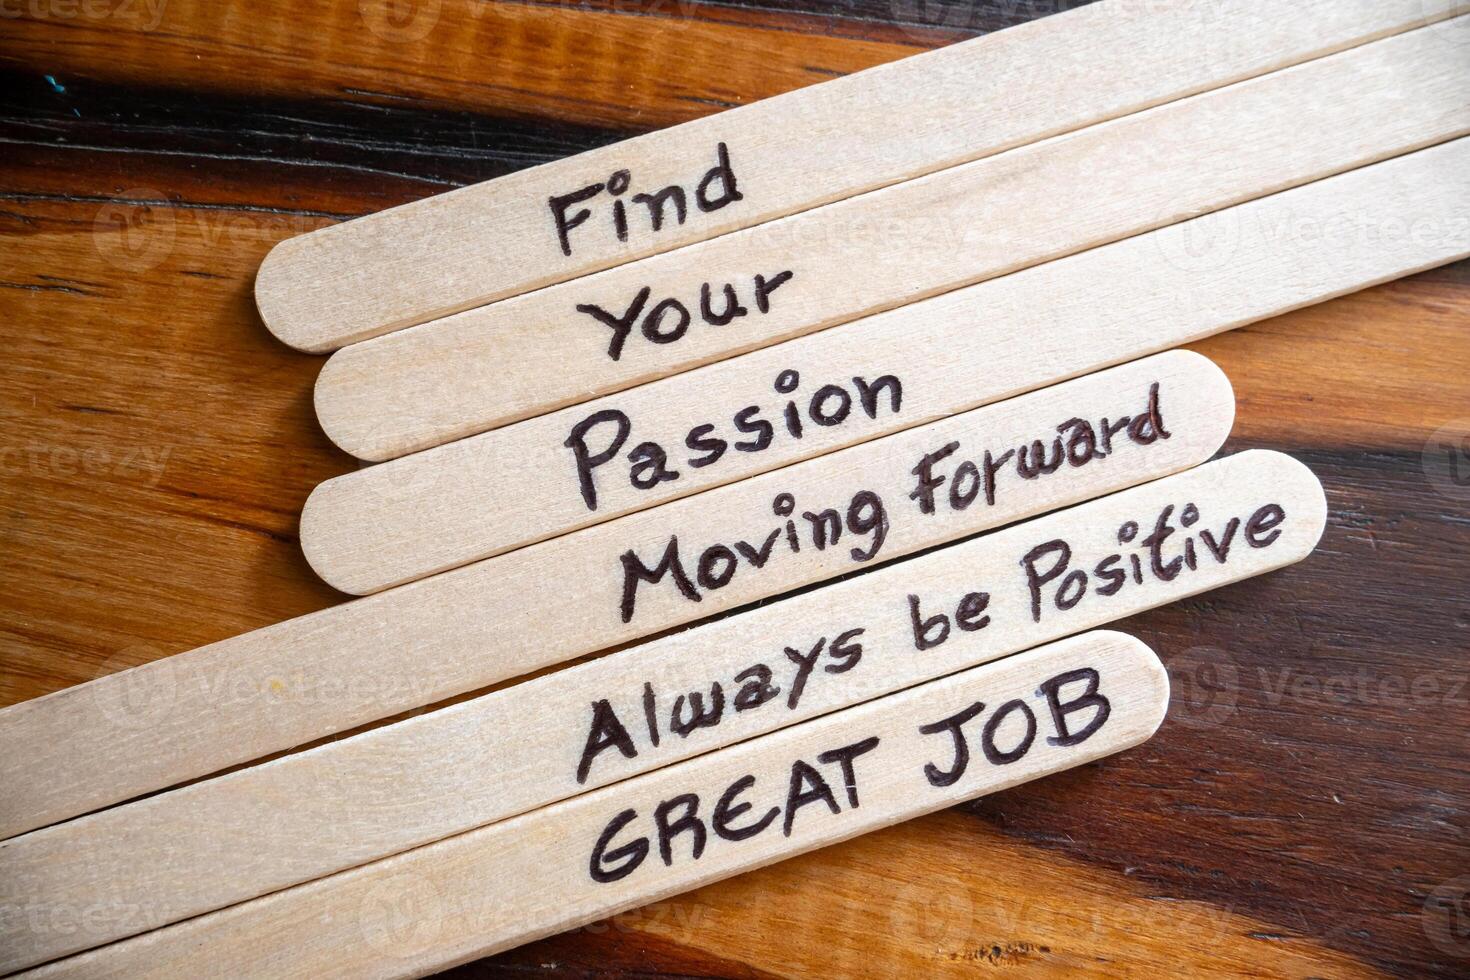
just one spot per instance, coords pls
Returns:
(564, 224)
(621, 325)
(631, 854)
(726, 810)
(606, 732)
(587, 460)
(1087, 699)
(954, 724)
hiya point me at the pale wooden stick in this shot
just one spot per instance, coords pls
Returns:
(509, 361)
(822, 782)
(230, 702)
(794, 152)
(259, 830)
(268, 690)
(499, 490)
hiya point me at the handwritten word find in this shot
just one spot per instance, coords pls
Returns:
(668, 205)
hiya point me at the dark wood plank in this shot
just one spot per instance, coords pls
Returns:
(559, 62)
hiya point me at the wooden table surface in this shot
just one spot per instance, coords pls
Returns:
(1304, 810)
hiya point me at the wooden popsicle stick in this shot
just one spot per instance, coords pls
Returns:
(233, 701)
(499, 490)
(256, 831)
(793, 152)
(506, 362)
(973, 733)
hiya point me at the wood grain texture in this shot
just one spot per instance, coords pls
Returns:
(569, 469)
(830, 779)
(268, 690)
(1286, 831)
(645, 320)
(570, 63)
(787, 154)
